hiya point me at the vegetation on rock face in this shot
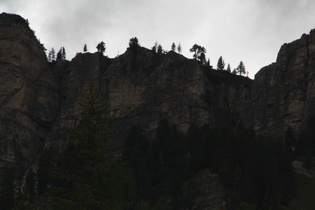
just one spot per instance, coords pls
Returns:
(220, 64)
(134, 43)
(51, 55)
(241, 68)
(179, 48)
(253, 172)
(198, 51)
(101, 47)
(173, 47)
(208, 167)
(61, 55)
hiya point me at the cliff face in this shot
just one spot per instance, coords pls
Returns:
(38, 99)
(141, 87)
(284, 92)
(28, 94)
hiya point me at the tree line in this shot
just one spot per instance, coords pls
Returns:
(199, 53)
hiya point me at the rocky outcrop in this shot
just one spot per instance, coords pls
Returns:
(28, 94)
(284, 92)
(141, 87)
(39, 99)
(144, 87)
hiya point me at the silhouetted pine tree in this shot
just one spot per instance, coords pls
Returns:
(160, 49)
(241, 68)
(220, 64)
(179, 48)
(228, 68)
(173, 47)
(155, 47)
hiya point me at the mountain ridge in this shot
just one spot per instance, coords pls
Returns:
(141, 87)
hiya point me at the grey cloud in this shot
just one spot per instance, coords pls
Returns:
(248, 30)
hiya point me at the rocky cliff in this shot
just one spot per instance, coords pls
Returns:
(284, 92)
(39, 99)
(141, 87)
(28, 93)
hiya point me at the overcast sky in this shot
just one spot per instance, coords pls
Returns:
(251, 31)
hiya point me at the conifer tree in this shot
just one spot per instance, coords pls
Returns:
(220, 64)
(160, 49)
(59, 55)
(202, 58)
(179, 48)
(87, 175)
(228, 68)
(63, 54)
(85, 48)
(51, 55)
(155, 47)
(241, 68)
(173, 47)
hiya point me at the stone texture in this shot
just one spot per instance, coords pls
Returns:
(28, 94)
(284, 91)
(142, 88)
(39, 99)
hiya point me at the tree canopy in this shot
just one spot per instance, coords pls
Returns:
(51, 55)
(228, 68)
(241, 68)
(133, 42)
(61, 55)
(197, 50)
(101, 47)
(155, 47)
(220, 64)
(179, 48)
(173, 47)
(160, 49)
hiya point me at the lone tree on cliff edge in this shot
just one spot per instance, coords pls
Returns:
(198, 51)
(241, 68)
(221, 64)
(134, 43)
(179, 48)
(173, 47)
(101, 47)
(228, 68)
